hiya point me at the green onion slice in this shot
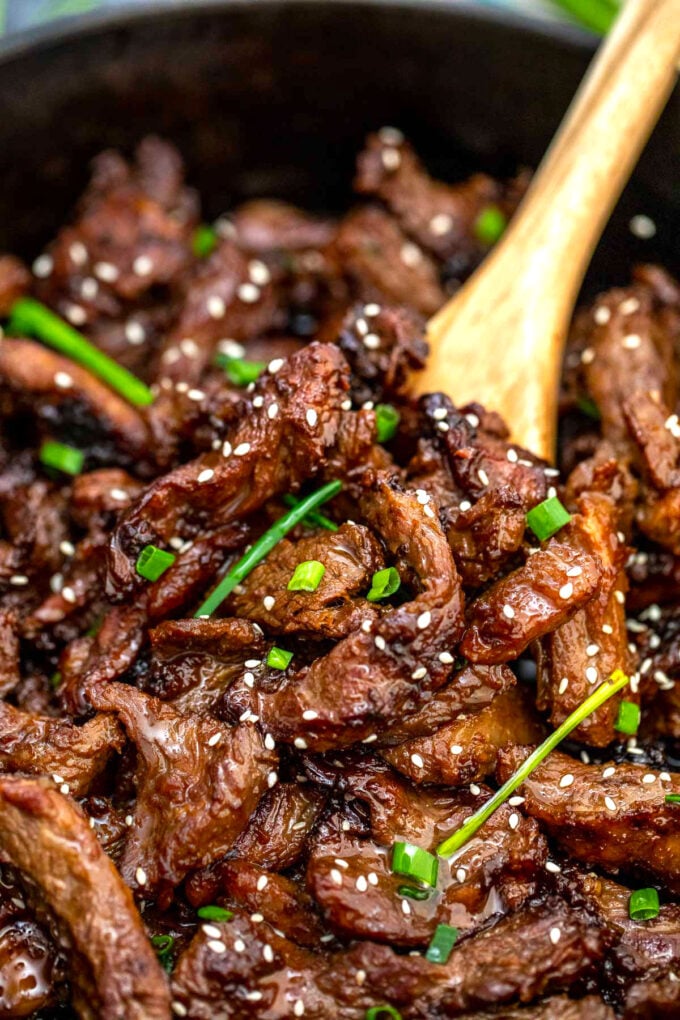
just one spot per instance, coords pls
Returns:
(608, 689)
(307, 576)
(279, 658)
(490, 225)
(672, 798)
(628, 718)
(265, 544)
(413, 893)
(152, 562)
(55, 680)
(214, 913)
(415, 862)
(240, 371)
(386, 422)
(588, 407)
(443, 941)
(63, 458)
(163, 944)
(31, 318)
(314, 518)
(643, 904)
(383, 584)
(546, 519)
(204, 241)
(383, 1012)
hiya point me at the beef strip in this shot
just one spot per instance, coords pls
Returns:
(557, 1008)
(618, 821)
(383, 670)
(351, 556)
(383, 346)
(653, 999)
(14, 282)
(466, 748)
(184, 760)
(74, 756)
(269, 452)
(112, 966)
(10, 673)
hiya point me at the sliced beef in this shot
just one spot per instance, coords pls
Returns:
(10, 673)
(383, 346)
(14, 282)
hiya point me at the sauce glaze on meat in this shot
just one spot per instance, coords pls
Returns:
(152, 764)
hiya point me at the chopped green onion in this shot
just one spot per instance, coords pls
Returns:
(204, 241)
(30, 318)
(597, 15)
(628, 719)
(55, 680)
(588, 406)
(415, 862)
(386, 421)
(265, 544)
(240, 371)
(279, 658)
(643, 904)
(443, 941)
(63, 458)
(490, 225)
(383, 584)
(214, 913)
(608, 689)
(383, 1013)
(313, 519)
(152, 562)
(413, 893)
(546, 519)
(163, 944)
(307, 576)
(672, 798)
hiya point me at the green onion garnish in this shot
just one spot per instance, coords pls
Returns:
(546, 519)
(616, 682)
(490, 225)
(307, 576)
(412, 893)
(204, 241)
(214, 913)
(265, 544)
(415, 862)
(443, 941)
(163, 944)
(383, 584)
(643, 904)
(383, 1013)
(628, 718)
(63, 458)
(279, 658)
(672, 798)
(152, 562)
(240, 371)
(313, 519)
(30, 318)
(55, 680)
(588, 407)
(386, 421)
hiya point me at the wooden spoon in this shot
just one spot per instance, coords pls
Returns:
(500, 340)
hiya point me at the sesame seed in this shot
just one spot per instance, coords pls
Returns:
(648, 777)
(196, 395)
(336, 876)
(371, 342)
(587, 356)
(620, 597)
(205, 475)
(215, 739)
(341, 862)
(508, 611)
(474, 789)
(446, 658)
(424, 620)
(258, 401)
(419, 673)
(602, 315)
(211, 931)
(254, 996)
(629, 306)
(456, 748)
(310, 714)
(361, 883)
(300, 743)
(513, 820)
(268, 953)
(346, 405)
(553, 868)
(372, 877)
(515, 801)
(566, 591)
(248, 293)
(405, 907)
(610, 804)
(370, 738)
(631, 342)
(106, 271)
(78, 253)
(18, 580)
(299, 1008)
(607, 628)
(555, 935)
(262, 882)
(642, 226)
(64, 788)
(239, 946)
(43, 266)
(391, 159)
(574, 571)
(142, 265)
(366, 626)
(63, 380)
(120, 495)
(417, 761)
(89, 288)
(275, 365)
(129, 820)
(564, 683)
(566, 780)
(411, 255)
(258, 272)
(461, 874)
(379, 642)
(441, 224)
(242, 449)
(178, 1009)
(465, 505)
(140, 876)
(592, 650)
(591, 675)
(68, 595)
(134, 333)
(371, 310)
(217, 946)
(483, 477)
(312, 417)
(216, 307)
(272, 779)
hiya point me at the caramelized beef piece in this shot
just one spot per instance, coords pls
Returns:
(74, 756)
(383, 347)
(78, 888)
(10, 673)
(655, 999)
(649, 423)
(466, 748)
(618, 821)
(383, 670)
(556, 581)
(587, 649)
(198, 783)
(263, 226)
(269, 452)
(14, 282)
(659, 519)
(27, 969)
(194, 661)
(350, 555)
(557, 1008)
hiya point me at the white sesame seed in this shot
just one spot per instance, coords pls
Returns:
(258, 401)
(341, 862)
(216, 306)
(274, 365)
(564, 683)
(574, 571)
(587, 356)
(134, 333)
(18, 580)
(215, 739)
(417, 761)
(196, 395)
(140, 876)
(474, 789)
(43, 266)
(272, 410)
(272, 779)
(120, 495)
(178, 1009)
(642, 226)
(592, 650)
(78, 253)
(631, 342)
(217, 946)
(371, 342)
(391, 159)
(607, 628)
(441, 224)
(211, 931)
(254, 996)
(248, 293)
(239, 946)
(591, 675)
(508, 611)
(465, 505)
(608, 772)
(300, 743)
(610, 803)
(299, 1008)
(405, 907)
(63, 380)
(205, 475)
(370, 738)
(242, 449)
(268, 953)
(446, 658)
(566, 780)
(513, 820)
(372, 877)
(620, 597)
(89, 288)
(456, 748)
(68, 595)
(419, 673)
(515, 801)
(262, 882)
(367, 626)
(602, 315)
(361, 883)
(553, 868)
(106, 272)
(483, 477)
(64, 788)
(566, 591)
(142, 266)
(424, 620)
(555, 935)
(336, 877)
(312, 417)
(629, 306)
(390, 136)
(129, 820)
(648, 777)
(310, 714)
(379, 642)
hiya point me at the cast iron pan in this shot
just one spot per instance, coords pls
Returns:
(274, 98)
